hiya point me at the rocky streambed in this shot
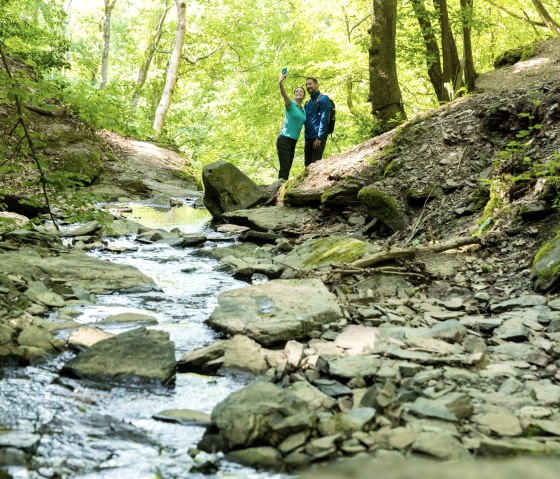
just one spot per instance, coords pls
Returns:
(89, 347)
(440, 361)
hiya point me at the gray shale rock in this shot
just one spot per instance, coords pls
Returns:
(245, 418)
(451, 407)
(278, 310)
(138, 355)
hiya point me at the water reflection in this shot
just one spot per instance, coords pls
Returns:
(186, 218)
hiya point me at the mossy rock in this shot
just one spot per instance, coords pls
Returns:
(514, 55)
(291, 195)
(136, 186)
(81, 158)
(384, 207)
(480, 198)
(59, 134)
(393, 166)
(189, 175)
(333, 250)
(546, 266)
(343, 192)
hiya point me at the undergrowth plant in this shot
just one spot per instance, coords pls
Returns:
(514, 167)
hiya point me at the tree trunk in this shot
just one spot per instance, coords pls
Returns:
(451, 66)
(109, 5)
(432, 50)
(149, 55)
(384, 90)
(466, 16)
(172, 69)
(545, 17)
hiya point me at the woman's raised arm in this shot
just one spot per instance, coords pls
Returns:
(287, 100)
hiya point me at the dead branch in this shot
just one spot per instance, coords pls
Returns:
(514, 15)
(45, 112)
(404, 253)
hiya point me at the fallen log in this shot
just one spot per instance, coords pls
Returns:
(405, 253)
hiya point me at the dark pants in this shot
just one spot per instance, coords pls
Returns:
(286, 150)
(313, 154)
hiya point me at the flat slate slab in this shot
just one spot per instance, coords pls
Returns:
(272, 218)
(278, 310)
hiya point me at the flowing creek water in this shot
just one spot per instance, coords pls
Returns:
(89, 432)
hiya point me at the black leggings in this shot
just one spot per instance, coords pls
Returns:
(286, 150)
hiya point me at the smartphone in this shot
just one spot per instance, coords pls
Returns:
(284, 71)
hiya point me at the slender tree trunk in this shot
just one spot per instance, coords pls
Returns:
(545, 17)
(466, 16)
(384, 90)
(349, 97)
(109, 5)
(452, 72)
(432, 50)
(148, 57)
(172, 69)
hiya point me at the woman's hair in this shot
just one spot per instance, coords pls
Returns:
(297, 88)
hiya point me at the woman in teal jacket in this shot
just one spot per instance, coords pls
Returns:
(294, 118)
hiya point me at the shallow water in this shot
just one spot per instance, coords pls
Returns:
(94, 433)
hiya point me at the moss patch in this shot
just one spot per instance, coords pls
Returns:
(546, 266)
(326, 251)
(382, 206)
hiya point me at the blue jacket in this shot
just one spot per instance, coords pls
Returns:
(317, 120)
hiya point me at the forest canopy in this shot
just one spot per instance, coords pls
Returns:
(109, 60)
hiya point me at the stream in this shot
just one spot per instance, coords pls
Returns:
(73, 429)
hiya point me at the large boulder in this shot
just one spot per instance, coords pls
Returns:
(226, 188)
(138, 355)
(246, 417)
(278, 310)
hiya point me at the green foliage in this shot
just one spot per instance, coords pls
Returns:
(226, 105)
(33, 31)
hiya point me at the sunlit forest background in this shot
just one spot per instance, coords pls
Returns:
(226, 104)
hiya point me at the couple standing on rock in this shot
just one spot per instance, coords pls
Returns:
(315, 114)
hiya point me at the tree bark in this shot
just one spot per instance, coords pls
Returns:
(452, 71)
(466, 16)
(384, 90)
(432, 51)
(172, 69)
(109, 5)
(404, 253)
(148, 57)
(545, 17)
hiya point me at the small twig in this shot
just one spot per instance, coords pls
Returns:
(32, 150)
(420, 217)
(14, 128)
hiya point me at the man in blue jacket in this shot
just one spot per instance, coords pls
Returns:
(317, 111)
